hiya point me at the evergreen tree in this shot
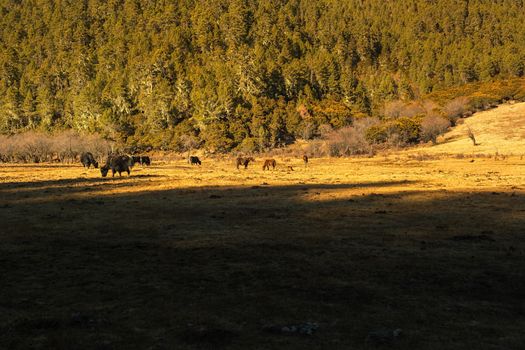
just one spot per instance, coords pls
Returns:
(146, 71)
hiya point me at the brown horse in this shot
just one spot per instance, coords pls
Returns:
(305, 160)
(244, 161)
(269, 163)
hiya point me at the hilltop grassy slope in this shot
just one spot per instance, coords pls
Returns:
(500, 130)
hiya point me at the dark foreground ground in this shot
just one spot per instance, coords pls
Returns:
(228, 267)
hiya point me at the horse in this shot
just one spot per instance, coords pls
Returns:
(269, 163)
(195, 160)
(244, 161)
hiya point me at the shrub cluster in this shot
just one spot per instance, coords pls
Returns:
(425, 119)
(432, 126)
(35, 147)
(397, 132)
(346, 141)
(349, 140)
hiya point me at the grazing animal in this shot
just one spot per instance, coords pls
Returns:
(269, 163)
(305, 160)
(244, 161)
(290, 168)
(195, 160)
(117, 164)
(87, 160)
(131, 161)
(142, 160)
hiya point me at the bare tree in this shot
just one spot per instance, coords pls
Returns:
(189, 142)
(471, 136)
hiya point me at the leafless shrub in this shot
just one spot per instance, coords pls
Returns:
(274, 152)
(308, 130)
(396, 109)
(315, 148)
(432, 126)
(349, 140)
(474, 155)
(499, 156)
(325, 130)
(481, 155)
(430, 108)
(456, 109)
(189, 143)
(413, 109)
(423, 156)
(34, 147)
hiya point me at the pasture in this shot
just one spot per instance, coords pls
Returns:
(211, 257)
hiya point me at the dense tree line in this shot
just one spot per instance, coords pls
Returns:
(240, 74)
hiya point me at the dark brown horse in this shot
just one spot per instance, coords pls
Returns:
(305, 160)
(269, 163)
(244, 161)
(195, 160)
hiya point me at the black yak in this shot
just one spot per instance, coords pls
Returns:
(117, 164)
(87, 160)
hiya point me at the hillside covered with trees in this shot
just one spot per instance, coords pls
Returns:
(240, 74)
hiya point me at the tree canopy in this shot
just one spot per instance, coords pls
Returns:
(240, 74)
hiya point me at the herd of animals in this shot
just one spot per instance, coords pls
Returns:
(119, 163)
(116, 162)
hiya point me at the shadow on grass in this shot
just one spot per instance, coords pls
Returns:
(40, 190)
(60, 184)
(210, 267)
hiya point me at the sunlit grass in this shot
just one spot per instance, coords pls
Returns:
(427, 244)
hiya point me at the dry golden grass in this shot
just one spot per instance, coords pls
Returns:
(500, 130)
(182, 257)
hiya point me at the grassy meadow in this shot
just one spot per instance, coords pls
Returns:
(499, 131)
(187, 257)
